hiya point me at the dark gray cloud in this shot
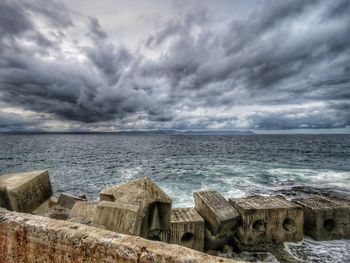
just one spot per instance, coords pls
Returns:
(8, 11)
(14, 122)
(279, 65)
(92, 90)
(96, 32)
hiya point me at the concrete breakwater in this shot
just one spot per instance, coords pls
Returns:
(132, 212)
(28, 238)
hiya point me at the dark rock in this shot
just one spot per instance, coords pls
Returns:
(218, 241)
(308, 191)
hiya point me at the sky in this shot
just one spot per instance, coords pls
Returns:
(265, 65)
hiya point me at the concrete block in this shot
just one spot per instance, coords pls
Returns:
(46, 207)
(326, 218)
(153, 203)
(24, 192)
(218, 214)
(119, 217)
(83, 212)
(268, 219)
(187, 228)
(67, 201)
(26, 238)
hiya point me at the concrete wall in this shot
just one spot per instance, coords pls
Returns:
(30, 238)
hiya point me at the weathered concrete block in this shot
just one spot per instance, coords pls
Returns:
(187, 228)
(83, 212)
(26, 238)
(268, 219)
(326, 218)
(67, 201)
(46, 207)
(153, 203)
(24, 192)
(52, 210)
(218, 214)
(119, 217)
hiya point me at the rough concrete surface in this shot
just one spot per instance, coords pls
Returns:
(67, 201)
(119, 217)
(45, 207)
(83, 212)
(26, 238)
(24, 192)
(154, 204)
(326, 218)
(218, 214)
(268, 219)
(187, 228)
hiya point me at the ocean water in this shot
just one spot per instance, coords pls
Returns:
(182, 164)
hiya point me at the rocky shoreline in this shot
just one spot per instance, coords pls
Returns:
(141, 210)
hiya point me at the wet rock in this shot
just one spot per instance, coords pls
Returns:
(326, 218)
(218, 214)
(153, 204)
(284, 256)
(218, 241)
(26, 238)
(309, 250)
(187, 228)
(268, 219)
(252, 256)
(268, 257)
(227, 249)
(212, 252)
(277, 250)
(303, 191)
(24, 192)
(67, 201)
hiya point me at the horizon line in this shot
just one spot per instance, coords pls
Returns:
(339, 131)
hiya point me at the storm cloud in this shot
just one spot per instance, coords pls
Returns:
(265, 65)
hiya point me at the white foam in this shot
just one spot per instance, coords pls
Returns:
(335, 251)
(129, 173)
(317, 177)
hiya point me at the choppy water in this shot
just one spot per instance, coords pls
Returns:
(234, 165)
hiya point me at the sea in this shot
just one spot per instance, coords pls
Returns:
(234, 165)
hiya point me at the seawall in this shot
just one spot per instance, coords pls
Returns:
(31, 238)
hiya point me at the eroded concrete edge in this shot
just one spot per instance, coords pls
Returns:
(31, 238)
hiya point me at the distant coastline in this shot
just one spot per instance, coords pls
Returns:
(144, 132)
(190, 132)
